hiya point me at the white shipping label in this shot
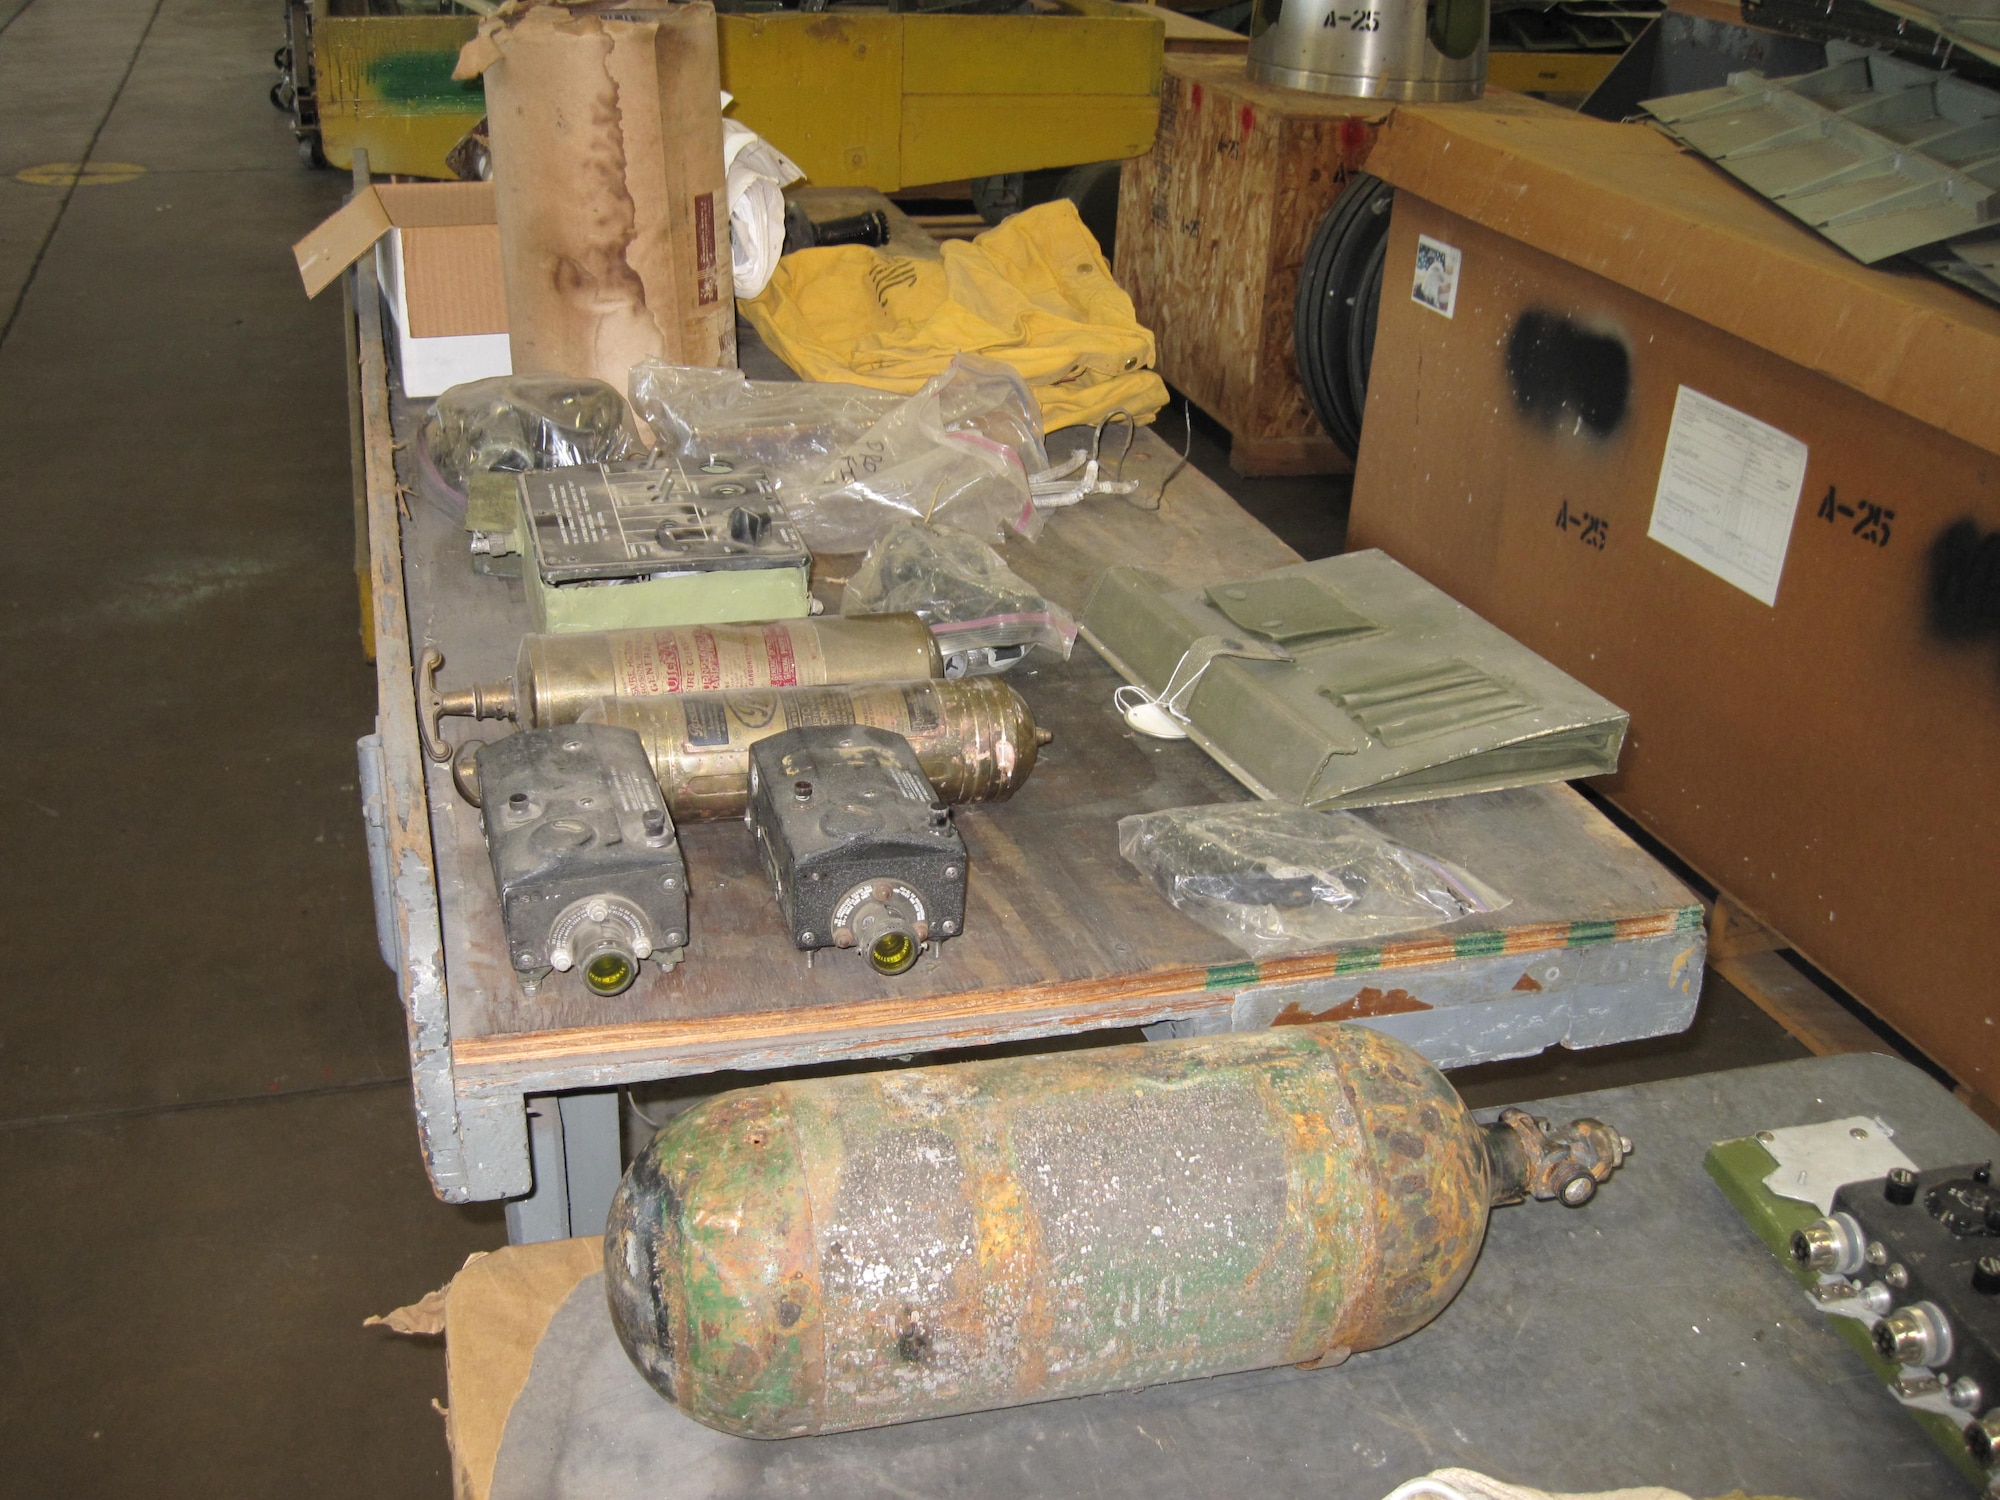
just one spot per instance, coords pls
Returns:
(1729, 487)
(1436, 284)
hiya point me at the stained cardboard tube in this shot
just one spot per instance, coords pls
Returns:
(608, 188)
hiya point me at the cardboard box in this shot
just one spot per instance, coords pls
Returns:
(1602, 373)
(437, 255)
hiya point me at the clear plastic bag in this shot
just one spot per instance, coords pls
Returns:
(849, 461)
(516, 423)
(981, 397)
(1277, 879)
(911, 465)
(979, 609)
(791, 429)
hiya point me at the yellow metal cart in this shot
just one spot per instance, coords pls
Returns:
(872, 98)
(860, 96)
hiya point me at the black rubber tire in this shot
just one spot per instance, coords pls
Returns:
(1307, 319)
(1341, 301)
(1361, 330)
(1333, 323)
(1000, 198)
(1325, 316)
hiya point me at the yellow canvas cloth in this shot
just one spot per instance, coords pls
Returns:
(1034, 293)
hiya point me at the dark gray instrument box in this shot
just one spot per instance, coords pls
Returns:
(584, 854)
(861, 851)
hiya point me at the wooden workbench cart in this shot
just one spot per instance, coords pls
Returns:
(1598, 944)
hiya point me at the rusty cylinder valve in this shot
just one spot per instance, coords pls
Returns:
(1528, 1157)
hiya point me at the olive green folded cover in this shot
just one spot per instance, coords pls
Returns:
(1394, 693)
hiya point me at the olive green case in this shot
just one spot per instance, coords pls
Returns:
(1394, 691)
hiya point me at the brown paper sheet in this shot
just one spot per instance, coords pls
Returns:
(423, 1318)
(496, 1310)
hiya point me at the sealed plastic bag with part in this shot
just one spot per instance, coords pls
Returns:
(937, 457)
(981, 397)
(1277, 879)
(515, 423)
(791, 429)
(850, 462)
(985, 617)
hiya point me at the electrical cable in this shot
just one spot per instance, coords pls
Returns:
(1181, 462)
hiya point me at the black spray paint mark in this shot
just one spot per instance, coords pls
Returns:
(1965, 582)
(1566, 378)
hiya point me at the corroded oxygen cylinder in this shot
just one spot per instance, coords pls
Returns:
(556, 677)
(974, 736)
(816, 1256)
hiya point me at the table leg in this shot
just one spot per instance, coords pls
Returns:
(573, 1145)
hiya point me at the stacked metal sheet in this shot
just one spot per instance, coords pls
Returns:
(1879, 155)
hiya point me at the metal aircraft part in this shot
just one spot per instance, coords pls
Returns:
(860, 851)
(975, 737)
(556, 677)
(1877, 154)
(584, 856)
(818, 1256)
(1389, 691)
(1372, 49)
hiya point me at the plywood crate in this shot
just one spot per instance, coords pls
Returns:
(1213, 225)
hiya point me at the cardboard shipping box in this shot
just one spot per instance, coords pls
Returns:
(1698, 458)
(437, 254)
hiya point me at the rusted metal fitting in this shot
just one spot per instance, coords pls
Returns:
(492, 700)
(465, 770)
(1530, 1158)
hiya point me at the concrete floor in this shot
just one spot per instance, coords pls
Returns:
(211, 1173)
(210, 1167)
